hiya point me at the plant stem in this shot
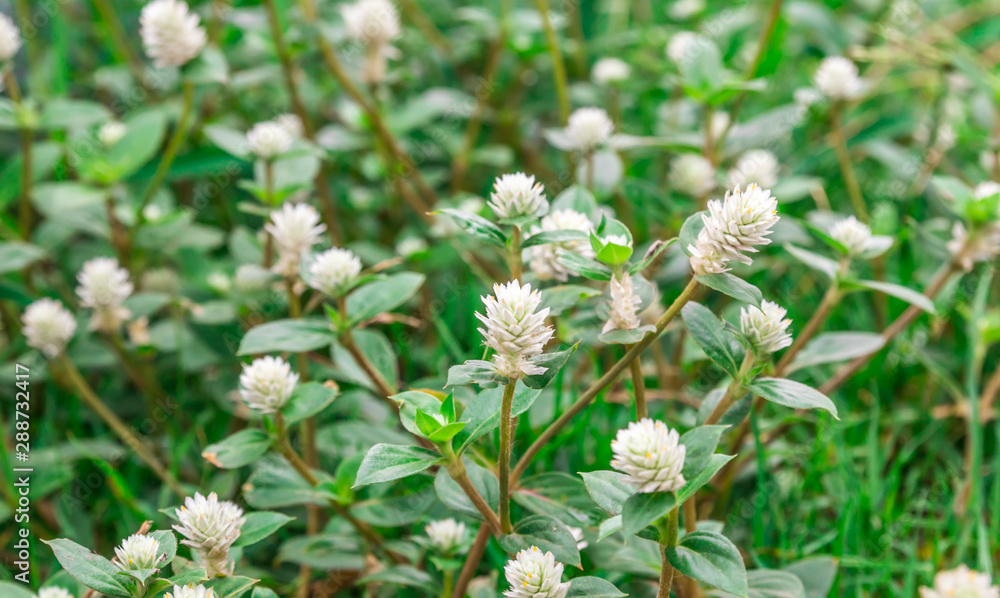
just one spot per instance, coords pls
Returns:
(506, 432)
(269, 181)
(639, 388)
(456, 469)
(27, 140)
(826, 305)
(734, 392)
(558, 67)
(472, 561)
(846, 166)
(603, 382)
(514, 257)
(668, 539)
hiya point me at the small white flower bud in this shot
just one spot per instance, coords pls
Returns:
(372, 21)
(961, 583)
(269, 139)
(267, 384)
(766, 328)
(544, 259)
(514, 329)
(446, 535)
(837, 78)
(651, 455)
(53, 592)
(111, 133)
(48, 326)
(589, 128)
(138, 551)
(534, 574)
(852, 234)
(295, 228)
(210, 527)
(624, 305)
(608, 71)
(10, 38)
(692, 174)
(517, 195)
(171, 33)
(191, 591)
(334, 271)
(104, 287)
(757, 166)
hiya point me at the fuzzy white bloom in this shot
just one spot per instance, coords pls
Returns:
(446, 534)
(334, 271)
(651, 455)
(191, 591)
(766, 327)
(269, 139)
(171, 33)
(210, 527)
(682, 44)
(48, 326)
(295, 228)
(982, 247)
(514, 329)
(986, 189)
(852, 234)
(138, 551)
(837, 78)
(544, 259)
(411, 246)
(624, 305)
(518, 195)
(707, 257)
(104, 287)
(10, 38)
(692, 174)
(53, 592)
(807, 96)
(292, 124)
(589, 128)
(267, 384)
(961, 583)
(756, 166)
(111, 133)
(685, 9)
(372, 21)
(608, 71)
(534, 574)
(734, 226)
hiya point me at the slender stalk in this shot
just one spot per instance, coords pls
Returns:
(734, 392)
(456, 469)
(472, 561)
(514, 257)
(639, 388)
(589, 161)
(269, 181)
(603, 382)
(846, 166)
(27, 140)
(506, 433)
(119, 39)
(558, 66)
(668, 539)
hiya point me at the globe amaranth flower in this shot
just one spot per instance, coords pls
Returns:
(682, 10)
(682, 45)
(692, 174)
(837, 78)
(210, 527)
(651, 455)
(608, 71)
(756, 166)
(48, 326)
(269, 139)
(111, 133)
(981, 246)
(191, 591)
(961, 583)
(589, 128)
(446, 535)
(534, 574)
(853, 234)
(104, 287)
(10, 38)
(374, 23)
(138, 551)
(267, 384)
(624, 304)
(514, 329)
(334, 271)
(986, 189)
(53, 592)
(517, 195)
(544, 259)
(295, 228)
(292, 124)
(411, 246)
(732, 227)
(766, 327)
(171, 34)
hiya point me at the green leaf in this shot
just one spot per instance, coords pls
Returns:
(688, 236)
(699, 446)
(426, 424)
(614, 254)
(792, 394)
(771, 583)
(814, 260)
(308, 399)
(651, 254)
(609, 489)
(482, 414)
(230, 587)
(816, 573)
(229, 140)
(168, 545)
(563, 297)
(65, 113)
(402, 575)
(260, 525)
(546, 533)
(734, 286)
(712, 559)
(293, 335)
(554, 236)
(387, 462)
(446, 432)
(592, 587)
(324, 551)
(452, 496)
(585, 267)
(478, 227)
(833, 347)
(711, 336)
(242, 448)
(475, 371)
(704, 476)
(16, 255)
(644, 509)
(93, 571)
(209, 66)
(578, 199)
(263, 593)
(898, 291)
(625, 337)
(143, 137)
(552, 362)
(15, 590)
(381, 296)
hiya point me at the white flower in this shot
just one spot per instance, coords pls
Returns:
(534, 574)
(681, 45)
(269, 139)
(292, 124)
(517, 195)
(757, 166)
(961, 583)
(685, 9)
(10, 38)
(852, 234)
(651, 455)
(138, 551)
(446, 534)
(411, 246)
(219, 282)
(610, 70)
(104, 287)
(837, 78)
(514, 329)
(624, 305)
(210, 527)
(589, 128)
(707, 257)
(806, 96)
(53, 592)
(986, 189)
(372, 21)
(982, 247)
(692, 174)
(191, 591)
(767, 327)
(334, 271)
(171, 34)
(544, 259)
(295, 228)
(111, 133)
(48, 326)
(267, 384)
(734, 226)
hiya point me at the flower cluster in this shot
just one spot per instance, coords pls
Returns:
(10, 38)
(765, 327)
(534, 574)
(624, 304)
(837, 78)
(171, 33)
(295, 228)
(210, 527)
(137, 552)
(518, 196)
(373, 23)
(853, 234)
(757, 166)
(514, 329)
(961, 583)
(589, 128)
(48, 326)
(111, 133)
(267, 384)
(334, 271)
(53, 592)
(692, 174)
(104, 287)
(732, 227)
(446, 535)
(651, 455)
(191, 591)
(269, 139)
(544, 259)
(608, 71)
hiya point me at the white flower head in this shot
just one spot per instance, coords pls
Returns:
(651, 455)
(48, 326)
(269, 139)
(589, 128)
(517, 195)
(267, 384)
(334, 271)
(766, 327)
(295, 228)
(104, 287)
(608, 71)
(734, 226)
(682, 45)
(852, 234)
(10, 38)
(138, 551)
(446, 534)
(292, 123)
(986, 189)
(210, 527)
(837, 78)
(534, 574)
(191, 591)
(961, 583)
(692, 174)
(756, 166)
(983, 246)
(111, 133)
(372, 21)
(544, 259)
(685, 9)
(624, 305)
(514, 329)
(53, 592)
(171, 33)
